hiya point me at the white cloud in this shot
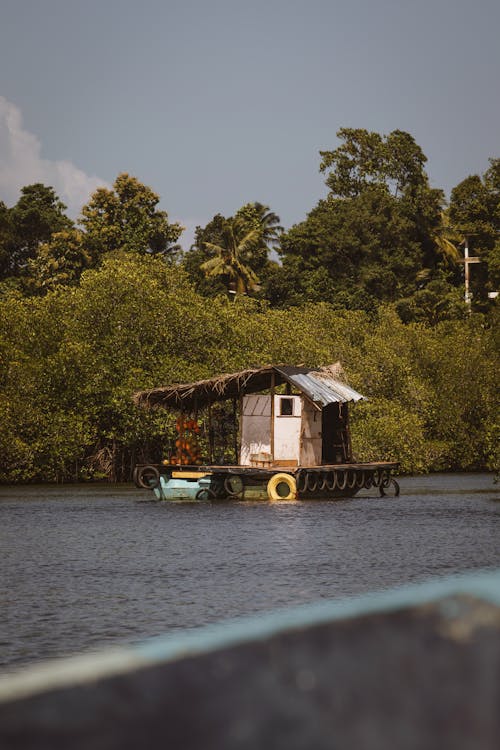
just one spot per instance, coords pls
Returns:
(21, 164)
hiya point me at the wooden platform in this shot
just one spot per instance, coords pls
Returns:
(276, 467)
(222, 482)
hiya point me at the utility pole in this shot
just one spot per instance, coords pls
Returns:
(466, 261)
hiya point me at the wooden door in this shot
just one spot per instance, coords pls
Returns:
(311, 435)
(255, 427)
(287, 420)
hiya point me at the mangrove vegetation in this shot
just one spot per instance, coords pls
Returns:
(93, 310)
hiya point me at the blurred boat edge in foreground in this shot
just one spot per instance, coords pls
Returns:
(410, 667)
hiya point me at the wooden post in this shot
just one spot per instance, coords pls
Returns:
(235, 430)
(181, 440)
(210, 434)
(273, 386)
(302, 429)
(348, 432)
(240, 432)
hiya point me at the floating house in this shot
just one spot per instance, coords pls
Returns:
(290, 438)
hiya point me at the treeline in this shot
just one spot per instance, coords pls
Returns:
(92, 311)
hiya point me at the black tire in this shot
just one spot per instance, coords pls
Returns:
(351, 479)
(360, 482)
(301, 480)
(385, 483)
(385, 479)
(229, 485)
(312, 481)
(148, 477)
(342, 479)
(331, 481)
(205, 493)
(322, 483)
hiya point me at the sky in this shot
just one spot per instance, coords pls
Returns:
(216, 103)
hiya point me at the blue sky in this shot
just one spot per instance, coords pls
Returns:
(217, 103)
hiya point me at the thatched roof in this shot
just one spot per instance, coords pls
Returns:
(321, 386)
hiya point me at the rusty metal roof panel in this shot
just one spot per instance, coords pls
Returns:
(319, 387)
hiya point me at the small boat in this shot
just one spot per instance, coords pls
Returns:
(269, 433)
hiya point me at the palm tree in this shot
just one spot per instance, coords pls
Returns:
(447, 240)
(230, 257)
(268, 223)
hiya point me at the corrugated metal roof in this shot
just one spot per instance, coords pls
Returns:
(320, 387)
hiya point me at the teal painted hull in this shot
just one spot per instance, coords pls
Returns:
(177, 489)
(205, 488)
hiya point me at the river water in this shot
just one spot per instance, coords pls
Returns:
(87, 566)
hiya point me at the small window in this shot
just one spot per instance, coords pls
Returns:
(286, 407)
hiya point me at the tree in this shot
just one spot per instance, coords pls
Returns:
(70, 361)
(253, 219)
(475, 214)
(230, 257)
(198, 254)
(361, 249)
(447, 240)
(394, 162)
(267, 223)
(437, 301)
(6, 241)
(373, 234)
(37, 215)
(62, 260)
(126, 218)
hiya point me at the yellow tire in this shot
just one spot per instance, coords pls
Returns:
(280, 484)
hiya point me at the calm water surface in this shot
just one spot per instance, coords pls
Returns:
(87, 566)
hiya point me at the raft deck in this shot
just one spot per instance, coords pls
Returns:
(222, 482)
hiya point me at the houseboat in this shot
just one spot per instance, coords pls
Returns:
(269, 433)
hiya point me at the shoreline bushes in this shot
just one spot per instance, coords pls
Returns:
(70, 362)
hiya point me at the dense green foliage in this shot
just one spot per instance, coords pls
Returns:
(40, 248)
(37, 215)
(72, 359)
(232, 253)
(475, 214)
(373, 238)
(93, 311)
(126, 218)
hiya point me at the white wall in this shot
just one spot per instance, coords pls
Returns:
(255, 427)
(297, 437)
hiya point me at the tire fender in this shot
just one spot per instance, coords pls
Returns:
(342, 479)
(148, 477)
(351, 479)
(280, 479)
(331, 481)
(301, 480)
(322, 481)
(312, 481)
(233, 485)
